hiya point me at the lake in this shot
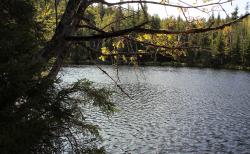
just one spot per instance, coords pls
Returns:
(173, 110)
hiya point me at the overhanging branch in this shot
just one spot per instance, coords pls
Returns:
(164, 4)
(138, 29)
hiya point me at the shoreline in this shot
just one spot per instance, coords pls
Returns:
(169, 64)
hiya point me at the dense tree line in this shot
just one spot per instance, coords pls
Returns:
(40, 115)
(229, 47)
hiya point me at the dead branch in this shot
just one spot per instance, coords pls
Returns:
(138, 29)
(164, 4)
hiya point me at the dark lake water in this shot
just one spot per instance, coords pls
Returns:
(174, 110)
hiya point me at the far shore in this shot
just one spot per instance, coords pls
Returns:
(169, 64)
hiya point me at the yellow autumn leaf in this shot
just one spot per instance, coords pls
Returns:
(102, 58)
(119, 44)
(132, 59)
(141, 51)
(147, 37)
(140, 38)
(170, 37)
(105, 50)
(124, 58)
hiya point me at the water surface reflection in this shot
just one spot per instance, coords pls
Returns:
(174, 110)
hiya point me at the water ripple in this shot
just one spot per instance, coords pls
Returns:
(174, 110)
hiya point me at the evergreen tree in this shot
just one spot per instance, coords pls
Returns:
(236, 57)
(235, 13)
(101, 10)
(36, 116)
(220, 48)
(247, 55)
(118, 16)
(155, 22)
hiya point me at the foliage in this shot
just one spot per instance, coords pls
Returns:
(37, 114)
(214, 49)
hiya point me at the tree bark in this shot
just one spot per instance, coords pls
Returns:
(65, 31)
(58, 46)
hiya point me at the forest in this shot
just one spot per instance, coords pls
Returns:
(228, 48)
(38, 37)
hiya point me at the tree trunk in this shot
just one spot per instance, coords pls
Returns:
(58, 46)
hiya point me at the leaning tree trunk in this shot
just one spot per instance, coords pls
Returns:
(58, 46)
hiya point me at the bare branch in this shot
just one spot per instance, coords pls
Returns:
(123, 18)
(91, 27)
(193, 6)
(106, 73)
(138, 29)
(163, 4)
